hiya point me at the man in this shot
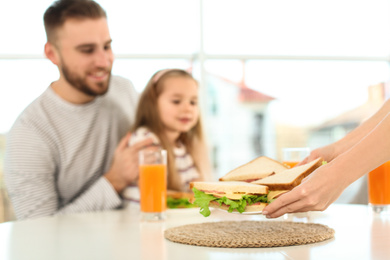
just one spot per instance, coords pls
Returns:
(62, 153)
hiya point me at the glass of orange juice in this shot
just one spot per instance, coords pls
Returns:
(153, 184)
(292, 156)
(379, 189)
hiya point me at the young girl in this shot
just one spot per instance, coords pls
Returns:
(168, 112)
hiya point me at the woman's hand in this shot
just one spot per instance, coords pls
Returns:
(315, 193)
(328, 153)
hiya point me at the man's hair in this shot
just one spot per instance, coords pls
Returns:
(62, 10)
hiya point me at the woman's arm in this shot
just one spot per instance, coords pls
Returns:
(333, 150)
(325, 185)
(361, 131)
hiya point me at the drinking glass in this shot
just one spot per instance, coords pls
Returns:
(379, 189)
(153, 184)
(292, 156)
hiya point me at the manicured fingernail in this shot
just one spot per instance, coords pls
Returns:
(265, 212)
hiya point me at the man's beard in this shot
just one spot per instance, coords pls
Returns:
(82, 85)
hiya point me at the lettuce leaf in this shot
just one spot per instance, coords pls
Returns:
(173, 203)
(203, 201)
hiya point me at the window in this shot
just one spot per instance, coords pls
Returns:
(314, 60)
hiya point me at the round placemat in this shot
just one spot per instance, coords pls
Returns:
(234, 234)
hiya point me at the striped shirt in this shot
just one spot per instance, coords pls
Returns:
(57, 152)
(183, 160)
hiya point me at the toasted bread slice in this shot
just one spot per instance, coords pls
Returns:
(256, 169)
(288, 179)
(231, 189)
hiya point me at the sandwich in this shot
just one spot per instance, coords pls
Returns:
(230, 196)
(249, 197)
(288, 179)
(178, 199)
(256, 169)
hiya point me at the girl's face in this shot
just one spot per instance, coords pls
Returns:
(178, 104)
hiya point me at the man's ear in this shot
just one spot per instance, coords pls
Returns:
(51, 53)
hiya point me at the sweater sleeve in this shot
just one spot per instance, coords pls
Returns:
(100, 196)
(30, 176)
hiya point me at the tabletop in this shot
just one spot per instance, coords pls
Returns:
(119, 234)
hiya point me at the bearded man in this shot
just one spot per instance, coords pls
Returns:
(67, 152)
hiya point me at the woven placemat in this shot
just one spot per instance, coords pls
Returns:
(234, 234)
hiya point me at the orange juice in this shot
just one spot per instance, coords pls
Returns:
(153, 187)
(290, 164)
(379, 185)
(293, 155)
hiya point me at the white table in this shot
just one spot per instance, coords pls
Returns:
(120, 235)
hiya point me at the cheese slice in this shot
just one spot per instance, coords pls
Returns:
(275, 193)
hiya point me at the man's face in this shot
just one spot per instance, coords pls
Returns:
(85, 55)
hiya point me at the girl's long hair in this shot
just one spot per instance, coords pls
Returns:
(147, 115)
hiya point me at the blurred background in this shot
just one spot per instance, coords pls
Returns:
(272, 74)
